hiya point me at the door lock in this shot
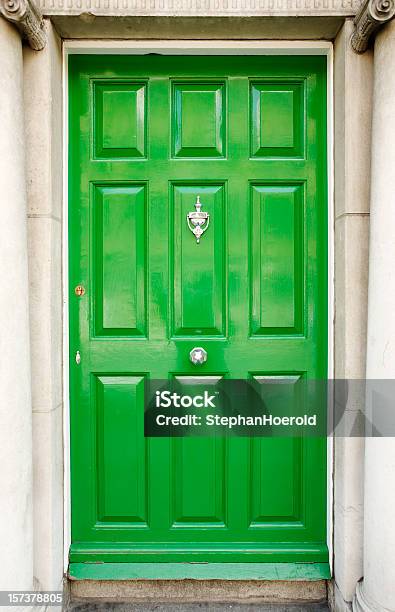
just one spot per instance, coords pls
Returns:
(79, 290)
(198, 355)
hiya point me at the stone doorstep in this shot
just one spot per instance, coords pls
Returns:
(152, 607)
(183, 595)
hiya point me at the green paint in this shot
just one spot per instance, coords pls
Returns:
(199, 571)
(147, 136)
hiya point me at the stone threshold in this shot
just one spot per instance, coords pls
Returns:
(160, 607)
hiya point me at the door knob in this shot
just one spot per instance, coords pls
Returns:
(198, 355)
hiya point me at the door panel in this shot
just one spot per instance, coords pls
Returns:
(198, 491)
(199, 119)
(198, 280)
(148, 136)
(277, 122)
(119, 260)
(277, 254)
(121, 450)
(119, 119)
(274, 464)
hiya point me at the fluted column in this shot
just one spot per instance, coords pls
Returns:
(16, 532)
(377, 591)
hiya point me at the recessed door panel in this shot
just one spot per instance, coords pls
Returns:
(119, 259)
(119, 119)
(199, 119)
(277, 259)
(121, 450)
(275, 483)
(198, 269)
(277, 119)
(275, 461)
(199, 471)
(161, 146)
(199, 483)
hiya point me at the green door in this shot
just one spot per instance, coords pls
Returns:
(148, 135)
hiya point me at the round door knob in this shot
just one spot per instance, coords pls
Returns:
(198, 355)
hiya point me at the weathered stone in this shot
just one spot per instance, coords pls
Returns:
(371, 16)
(377, 592)
(200, 8)
(16, 525)
(27, 18)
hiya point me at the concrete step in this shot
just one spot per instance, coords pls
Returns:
(204, 607)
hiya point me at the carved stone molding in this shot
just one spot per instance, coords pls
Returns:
(28, 19)
(372, 15)
(200, 8)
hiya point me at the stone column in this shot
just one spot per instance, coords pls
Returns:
(43, 133)
(377, 591)
(16, 532)
(353, 89)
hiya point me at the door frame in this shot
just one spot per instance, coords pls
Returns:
(193, 47)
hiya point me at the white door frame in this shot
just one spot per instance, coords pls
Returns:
(195, 47)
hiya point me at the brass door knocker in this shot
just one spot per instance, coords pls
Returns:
(198, 221)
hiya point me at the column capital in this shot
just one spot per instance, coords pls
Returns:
(27, 18)
(372, 15)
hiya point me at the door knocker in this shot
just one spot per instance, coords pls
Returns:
(198, 221)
